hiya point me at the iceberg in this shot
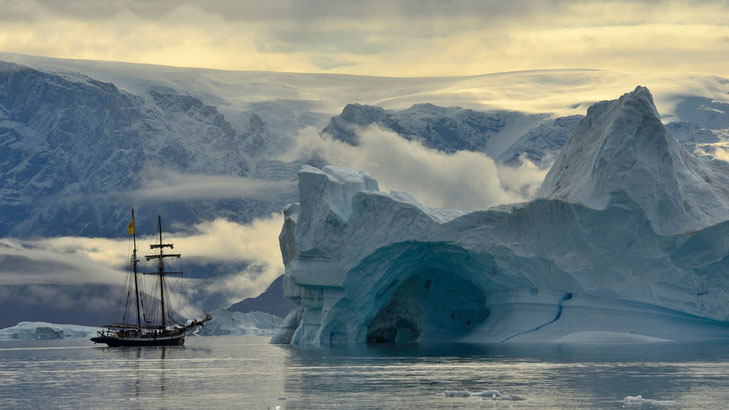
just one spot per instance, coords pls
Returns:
(46, 331)
(622, 153)
(232, 323)
(627, 243)
(486, 394)
(639, 402)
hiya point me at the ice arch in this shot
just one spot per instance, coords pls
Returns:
(429, 305)
(358, 262)
(400, 292)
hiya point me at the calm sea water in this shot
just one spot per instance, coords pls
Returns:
(247, 372)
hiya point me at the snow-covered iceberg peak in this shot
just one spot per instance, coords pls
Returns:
(338, 185)
(621, 153)
(326, 197)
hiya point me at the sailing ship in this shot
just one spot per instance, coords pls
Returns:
(149, 332)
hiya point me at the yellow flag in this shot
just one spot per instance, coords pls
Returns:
(130, 228)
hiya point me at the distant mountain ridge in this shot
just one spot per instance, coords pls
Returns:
(541, 144)
(66, 140)
(271, 301)
(447, 129)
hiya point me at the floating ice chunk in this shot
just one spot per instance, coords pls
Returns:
(456, 393)
(486, 394)
(639, 402)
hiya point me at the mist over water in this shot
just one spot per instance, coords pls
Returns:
(247, 372)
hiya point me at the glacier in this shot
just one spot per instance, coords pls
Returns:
(626, 243)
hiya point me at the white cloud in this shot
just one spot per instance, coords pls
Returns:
(170, 185)
(222, 240)
(66, 261)
(719, 150)
(463, 180)
(81, 260)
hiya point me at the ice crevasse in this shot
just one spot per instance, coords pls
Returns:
(627, 242)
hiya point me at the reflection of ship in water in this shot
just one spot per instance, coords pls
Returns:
(147, 373)
(148, 330)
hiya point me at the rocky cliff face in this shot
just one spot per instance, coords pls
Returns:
(68, 140)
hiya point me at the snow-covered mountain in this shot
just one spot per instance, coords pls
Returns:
(271, 301)
(704, 111)
(447, 129)
(689, 133)
(541, 144)
(607, 255)
(695, 138)
(74, 147)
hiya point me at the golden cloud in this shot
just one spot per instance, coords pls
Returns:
(404, 39)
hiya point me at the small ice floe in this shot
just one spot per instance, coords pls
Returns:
(639, 402)
(486, 394)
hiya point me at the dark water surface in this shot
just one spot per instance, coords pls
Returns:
(247, 372)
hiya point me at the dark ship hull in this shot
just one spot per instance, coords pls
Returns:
(116, 341)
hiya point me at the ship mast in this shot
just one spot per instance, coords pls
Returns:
(161, 267)
(136, 285)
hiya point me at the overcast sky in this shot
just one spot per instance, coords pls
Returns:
(378, 37)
